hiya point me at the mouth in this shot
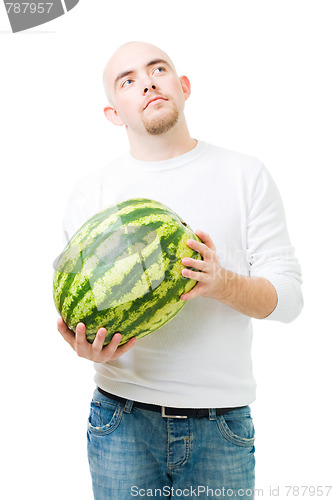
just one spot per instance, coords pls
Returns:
(157, 98)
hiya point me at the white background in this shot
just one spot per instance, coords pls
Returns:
(262, 85)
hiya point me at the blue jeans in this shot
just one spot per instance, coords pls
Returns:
(138, 453)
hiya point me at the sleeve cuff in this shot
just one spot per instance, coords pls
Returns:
(290, 298)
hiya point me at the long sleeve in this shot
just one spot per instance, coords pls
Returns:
(270, 253)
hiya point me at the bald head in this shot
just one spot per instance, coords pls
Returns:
(122, 61)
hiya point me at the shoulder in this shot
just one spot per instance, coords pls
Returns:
(93, 181)
(234, 162)
(88, 196)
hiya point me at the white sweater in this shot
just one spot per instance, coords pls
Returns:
(202, 357)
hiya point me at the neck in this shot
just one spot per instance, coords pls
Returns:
(175, 142)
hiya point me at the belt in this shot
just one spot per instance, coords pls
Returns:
(170, 412)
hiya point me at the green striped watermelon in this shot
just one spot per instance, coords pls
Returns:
(122, 270)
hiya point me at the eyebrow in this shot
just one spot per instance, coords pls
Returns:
(130, 71)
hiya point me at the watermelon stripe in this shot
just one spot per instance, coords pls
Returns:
(160, 299)
(122, 270)
(135, 270)
(123, 217)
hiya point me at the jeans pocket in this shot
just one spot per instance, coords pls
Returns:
(237, 427)
(104, 417)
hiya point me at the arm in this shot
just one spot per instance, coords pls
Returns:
(272, 288)
(255, 297)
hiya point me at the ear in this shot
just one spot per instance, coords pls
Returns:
(186, 86)
(112, 115)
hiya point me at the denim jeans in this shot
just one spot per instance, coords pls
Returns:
(138, 453)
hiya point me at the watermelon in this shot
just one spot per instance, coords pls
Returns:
(122, 270)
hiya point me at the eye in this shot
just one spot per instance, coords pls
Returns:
(127, 82)
(159, 70)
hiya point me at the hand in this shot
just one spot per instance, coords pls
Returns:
(210, 274)
(95, 351)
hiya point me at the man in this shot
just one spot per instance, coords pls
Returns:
(171, 415)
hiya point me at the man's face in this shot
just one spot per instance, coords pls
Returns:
(144, 88)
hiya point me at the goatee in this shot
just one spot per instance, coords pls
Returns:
(157, 126)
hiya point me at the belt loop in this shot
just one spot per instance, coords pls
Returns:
(212, 414)
(128, 406)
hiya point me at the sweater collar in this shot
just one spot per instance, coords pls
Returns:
(157, 166)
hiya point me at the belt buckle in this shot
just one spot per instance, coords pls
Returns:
(171, 416)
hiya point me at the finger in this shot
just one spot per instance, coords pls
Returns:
(190, 295)
(62, 327)
(206, 239)
(115, 341)
(194, 275)
(112, 346)
(98, 342)
(66, 333)
(199, 247)
(82, 343)
(112, 351)
(124, 348)
(196, 263)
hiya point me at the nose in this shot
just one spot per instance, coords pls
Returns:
(147, 88)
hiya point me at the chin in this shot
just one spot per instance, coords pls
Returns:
(160, 125)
